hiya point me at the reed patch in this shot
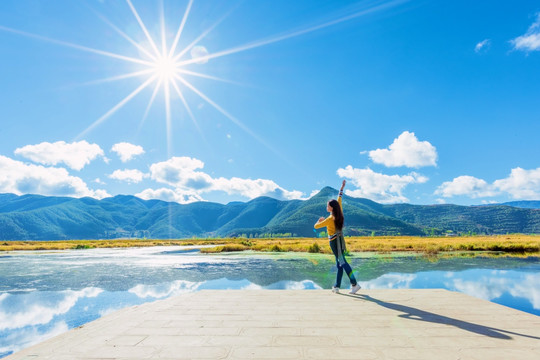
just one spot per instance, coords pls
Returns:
(510, 244)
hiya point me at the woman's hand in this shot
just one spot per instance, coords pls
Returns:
(343, 185)
(320, 219)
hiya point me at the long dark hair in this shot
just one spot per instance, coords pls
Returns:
(337, 213)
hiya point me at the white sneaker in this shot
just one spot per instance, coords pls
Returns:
(335, 290)
(354, 289)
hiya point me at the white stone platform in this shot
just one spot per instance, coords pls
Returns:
(303, 324)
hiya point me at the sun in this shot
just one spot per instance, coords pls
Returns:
(166, 68)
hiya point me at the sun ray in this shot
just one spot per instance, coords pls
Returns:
(116, 107)
(216, 106)
(162, 23)
(180, 29)
(188, 72)
(177, 89)
(168, 117)
(124, 35)
(182, 98)
(292, 34)
(118, 77)
(170, 220)
(167, 68)
(226, 114)
(152, 98)
(201, 36)
(75, 46)
(143, 27)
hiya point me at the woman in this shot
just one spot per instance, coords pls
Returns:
(334, 226)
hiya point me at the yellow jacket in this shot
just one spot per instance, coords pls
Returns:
(329, 221)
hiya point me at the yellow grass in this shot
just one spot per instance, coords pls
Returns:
(89, 244)
(430, 245)
(505, 243)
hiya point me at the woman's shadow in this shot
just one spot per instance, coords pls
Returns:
(421, 315)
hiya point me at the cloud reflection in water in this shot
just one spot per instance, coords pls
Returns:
(18, 311)
(516, 284)
(162, 290)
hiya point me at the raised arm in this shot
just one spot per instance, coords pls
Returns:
(341, 192)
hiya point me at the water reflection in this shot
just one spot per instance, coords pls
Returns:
(36, 308)
(45, 294)
(499, 284)
(164, 289)
(389, 281)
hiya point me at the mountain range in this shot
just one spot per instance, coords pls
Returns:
(36, 217)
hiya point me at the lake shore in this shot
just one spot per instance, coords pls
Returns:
(516, 243)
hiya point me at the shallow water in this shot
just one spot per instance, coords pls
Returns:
(43, 294)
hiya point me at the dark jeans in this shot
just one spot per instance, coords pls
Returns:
(340, 267)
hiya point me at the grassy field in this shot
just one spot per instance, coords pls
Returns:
(91, 244)
(529, 244)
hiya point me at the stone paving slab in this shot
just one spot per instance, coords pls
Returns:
(303, 324)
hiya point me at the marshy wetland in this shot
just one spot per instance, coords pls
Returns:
(515, 243)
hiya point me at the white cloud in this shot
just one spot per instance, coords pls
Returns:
(99, 194)
(131, 176)
(489, 288)
(379, 187)
(165, 289)
(22, 338)
(407, 151)
(489, 202)
(127, 151)
(110, 310)
(170, 195)
(38, 314)
(520, 184)
(466, 185)
(482, 45)
(19, 178)
(75, 155)
(528, 289)
(390, 281)
(182, 173)
(253, 188)
(98, 181)
(199, 52)
(301, 285)
(252, 286)
(530, 41)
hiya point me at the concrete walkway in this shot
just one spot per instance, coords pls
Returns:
(304, 324)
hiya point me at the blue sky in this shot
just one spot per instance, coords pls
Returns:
(410, 101)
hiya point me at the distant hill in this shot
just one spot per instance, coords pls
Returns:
(526, 204)
(35, 217)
